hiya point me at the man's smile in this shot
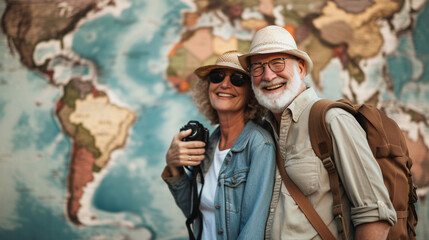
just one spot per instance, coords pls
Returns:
(271, 86)
(274, 87)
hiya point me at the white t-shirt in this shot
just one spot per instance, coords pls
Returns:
(207, 196)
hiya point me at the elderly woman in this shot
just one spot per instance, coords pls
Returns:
(238, 162)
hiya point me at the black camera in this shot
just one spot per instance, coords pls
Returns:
(199, 132)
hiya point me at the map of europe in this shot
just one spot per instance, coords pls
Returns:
(92, 92)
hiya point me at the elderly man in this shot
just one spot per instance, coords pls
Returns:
(277, 69)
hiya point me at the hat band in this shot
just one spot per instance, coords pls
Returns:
(272, 46)
(228, 64)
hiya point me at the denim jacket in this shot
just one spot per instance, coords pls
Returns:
(246, 181)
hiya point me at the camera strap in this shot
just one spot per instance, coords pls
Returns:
(196, 199)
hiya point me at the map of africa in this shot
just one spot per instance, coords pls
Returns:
(92, 92)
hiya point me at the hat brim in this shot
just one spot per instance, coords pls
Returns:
(295, 52)
(202, 72)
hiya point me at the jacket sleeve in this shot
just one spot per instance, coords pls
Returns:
(180, 187)
(358, 170)
(258, 191)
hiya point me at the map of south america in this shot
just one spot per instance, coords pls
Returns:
(96, 126)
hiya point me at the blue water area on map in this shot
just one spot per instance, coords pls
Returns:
(420, 35)
(23, 133)
(48, 129)
(400, 65)
(2, 106)
(41, 221)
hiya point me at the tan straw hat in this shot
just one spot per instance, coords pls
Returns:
(227, 60)
(273, 39)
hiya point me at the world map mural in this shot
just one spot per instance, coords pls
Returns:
(92, 92)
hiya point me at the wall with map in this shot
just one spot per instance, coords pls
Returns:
(92, 92)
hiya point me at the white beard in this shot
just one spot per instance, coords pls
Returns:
(278, 102)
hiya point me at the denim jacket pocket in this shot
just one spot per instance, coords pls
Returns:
(234, 188)
(305, 173)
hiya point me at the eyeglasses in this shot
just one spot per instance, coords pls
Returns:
(237, 79)
(276, 65)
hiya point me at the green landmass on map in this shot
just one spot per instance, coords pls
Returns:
(83, 138)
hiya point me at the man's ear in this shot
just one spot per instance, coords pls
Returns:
(301, 68)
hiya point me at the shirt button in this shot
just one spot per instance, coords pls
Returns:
(220, 232)
(272, 210)
(234, 181)
(217, 206)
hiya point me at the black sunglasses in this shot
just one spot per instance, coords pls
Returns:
(237, 79)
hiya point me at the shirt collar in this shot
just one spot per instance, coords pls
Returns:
(297, 106)
(301, 102)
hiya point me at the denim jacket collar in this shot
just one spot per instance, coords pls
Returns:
(239, 145)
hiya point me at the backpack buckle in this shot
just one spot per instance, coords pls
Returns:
(341, 224)
(329, 165)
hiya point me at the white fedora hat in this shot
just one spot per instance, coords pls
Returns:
(274, 39)
(227, 60)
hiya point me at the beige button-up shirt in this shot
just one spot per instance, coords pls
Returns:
(365, 197)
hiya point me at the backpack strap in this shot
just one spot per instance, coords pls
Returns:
(319, 136)
(321, 143)
(303, 203)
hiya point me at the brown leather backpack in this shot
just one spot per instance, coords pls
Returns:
(389, 148)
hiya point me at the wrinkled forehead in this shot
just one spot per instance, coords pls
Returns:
(260, 58)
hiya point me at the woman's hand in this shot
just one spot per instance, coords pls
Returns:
(184, 153)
